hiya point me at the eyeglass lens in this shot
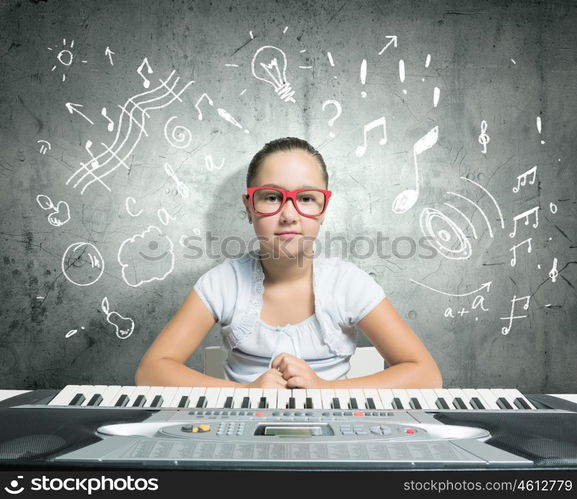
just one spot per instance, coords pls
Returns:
(308, 202)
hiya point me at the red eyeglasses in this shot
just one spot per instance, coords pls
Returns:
(270, 200)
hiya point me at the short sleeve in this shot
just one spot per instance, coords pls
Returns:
(217, 289)
(361, 292)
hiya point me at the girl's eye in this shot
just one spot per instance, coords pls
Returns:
(272, 198)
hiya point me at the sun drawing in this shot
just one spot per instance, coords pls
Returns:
(65, 57)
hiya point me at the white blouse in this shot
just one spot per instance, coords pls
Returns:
(233, 293)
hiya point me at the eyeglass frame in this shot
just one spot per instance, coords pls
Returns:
(286, 195)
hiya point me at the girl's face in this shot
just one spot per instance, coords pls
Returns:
(289, 170)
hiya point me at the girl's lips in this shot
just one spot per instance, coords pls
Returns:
(288, 235)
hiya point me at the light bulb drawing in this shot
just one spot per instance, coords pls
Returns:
(269, 64)
(65, 57)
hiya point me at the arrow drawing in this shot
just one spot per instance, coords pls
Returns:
(72, 108)
(393, 41)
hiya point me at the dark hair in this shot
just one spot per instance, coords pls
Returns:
(284, 144)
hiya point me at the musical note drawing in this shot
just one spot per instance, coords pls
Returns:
(362, 149)
(123, 326)
(505, 330)
(526, 215)
(363, 76)
(203, 96)
(180, 186)
(146, 82)
(129, 130)
(110, 122)
(406, 199)
(522, 179)
(514, 250)
(484, 139)
(553, 273)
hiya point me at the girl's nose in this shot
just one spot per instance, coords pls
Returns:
(289, 210)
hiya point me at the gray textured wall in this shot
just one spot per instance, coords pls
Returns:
(498, 67)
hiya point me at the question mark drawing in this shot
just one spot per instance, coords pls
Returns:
(334, 118)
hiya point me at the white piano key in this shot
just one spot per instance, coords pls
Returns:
(428, 398)
(402, 396)
(124, 390)
(327, 396)
(109, 395)
(167, 394)
(416, 394)
(373, 394)
(151, 394)
(66, 395)
(513, 393)
(315, 395)
(180, 392)
(343, 395)
(458, 392)
(212, 396)
(499, 392)
(90, 391)
(283, 398)
(489, 398)
(359, 396)
(470, 393)
(271, 395)
(238, 397)
(255, 394)
(139, 390)
(386, 395)
(300, 395)
(224, 393)
(446, 395)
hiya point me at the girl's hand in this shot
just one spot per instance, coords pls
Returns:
(296, 372)
(271, 378)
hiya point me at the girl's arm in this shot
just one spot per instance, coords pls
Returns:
(411, 364)
(163, 362)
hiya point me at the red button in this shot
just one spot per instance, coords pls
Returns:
(358, 413)
(259, 413)
(410, 431)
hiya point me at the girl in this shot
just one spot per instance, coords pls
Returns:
(288, 318)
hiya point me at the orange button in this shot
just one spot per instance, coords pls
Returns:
(204, 427)
(358, 413)
(410, 431)
(259, 413)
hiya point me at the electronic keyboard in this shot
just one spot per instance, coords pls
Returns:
(246, 428)
(158, 397)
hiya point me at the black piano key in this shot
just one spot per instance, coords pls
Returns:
(458, 403)
(184, 400)
(201, 402)
(370, 403)
(95, 400)
(262, 403)
(476, 403)
(122, 401)
(521, 403)
(78, 399)
(292, 404)
(336, 403)
(503, 403)
(414, 403)
(140, 401)
(228, 403)
(309, 403)
(441, 403)
(157, 401)
(245, 403)
(353, 403)
(397, 404)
